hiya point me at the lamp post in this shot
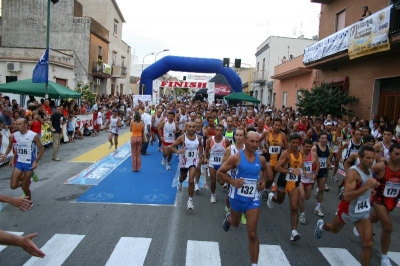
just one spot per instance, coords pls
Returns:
(144, 58)
(142, 68)
(165, 50)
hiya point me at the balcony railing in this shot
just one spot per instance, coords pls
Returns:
(260, 76)
(394, 28)
(101, 69)
(118, 71)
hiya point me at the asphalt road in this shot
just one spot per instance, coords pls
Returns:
(87, 233)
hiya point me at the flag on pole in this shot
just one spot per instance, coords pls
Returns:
(41, 71)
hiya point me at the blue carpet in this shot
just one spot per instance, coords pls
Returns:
(151, 185)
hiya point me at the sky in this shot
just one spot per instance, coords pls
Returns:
(213, 28)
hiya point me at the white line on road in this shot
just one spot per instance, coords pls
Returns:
(202, 253)
(130, 251)
(338, 257)
(395, 256)
(272, 255)
(14, 233)
(57, 250)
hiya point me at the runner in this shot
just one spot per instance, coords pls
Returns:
(245, 185)
(191, 157)
(313, 133)
(355, 206)
(168, 129)
(115, 124)
(323, 153)
(230, 130)
(383, 146)
(25, 143)
(301, 127)
(311, 166)
(155, 121)
(215, 148)
(290, 165)
(386, 196)
(336, 143)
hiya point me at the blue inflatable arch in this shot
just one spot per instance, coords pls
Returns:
(188, 64)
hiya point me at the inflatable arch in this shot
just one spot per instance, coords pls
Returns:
(187, 64)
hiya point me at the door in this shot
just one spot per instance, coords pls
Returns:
(389, 101)
(112, 89)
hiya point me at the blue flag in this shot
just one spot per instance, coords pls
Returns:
(41, 71)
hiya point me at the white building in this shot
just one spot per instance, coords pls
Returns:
(272, 52)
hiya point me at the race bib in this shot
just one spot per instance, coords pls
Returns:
(308, 167)
(292, 178)
(363, 204)
(322, 162)
(335, 149)
(217, 159)
(391, 190)
(113, 126)
(248, 189)
(191, 154)
(274, 150)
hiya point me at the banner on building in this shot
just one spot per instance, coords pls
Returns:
(142, 98)
(370, 35)
(328, 46)
(198, 77)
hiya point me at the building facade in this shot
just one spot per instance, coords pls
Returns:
(374, 77)
(23, 27)
(272, 52)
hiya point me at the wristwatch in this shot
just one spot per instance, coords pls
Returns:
(290, 170)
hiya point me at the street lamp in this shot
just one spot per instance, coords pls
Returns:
(144, 58)
(165, 50)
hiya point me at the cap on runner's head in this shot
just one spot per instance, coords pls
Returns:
(368, 138)
(328, 124)
(115, 110)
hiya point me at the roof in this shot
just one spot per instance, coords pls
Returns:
(118, 10)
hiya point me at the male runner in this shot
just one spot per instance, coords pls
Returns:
(355, 206)
(155, 121)
(323, 153)
(26, 143)
(383, 146)
(314, 132)
(230, 130)
(168, 129)
(215, 148)
(192, 156)
(199, 131)
(311, 166)
(290, 166)
(386, 196)
(246, 166)
(115, 124)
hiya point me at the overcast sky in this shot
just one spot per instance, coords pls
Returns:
(213, 28)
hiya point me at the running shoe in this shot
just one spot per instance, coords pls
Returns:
(34, 177)
(326, 187)
(196, 188)
(213, 198)
(385, 261)
(270, 203)
(295, 236)
(227, 209)
(168, 166)
(265, 194)
(318, 212)
(190, 204)
(111, 144)
(302, 218)
(316, 192)
(179, 187)
(333, 177)
(226, 225)
(355, 231)
(243, 220)
(318, 230)
(163, 161)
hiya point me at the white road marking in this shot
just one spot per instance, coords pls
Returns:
(272, 255)
(338, 257)
(130, 251)
(395, 256)
(202, 253)
(57, 250)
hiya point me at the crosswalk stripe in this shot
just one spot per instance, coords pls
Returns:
(130, 251)
(57, 250)
(338, 257)
(272, 255)
(202, 253)
(14, 233)
(395, 256)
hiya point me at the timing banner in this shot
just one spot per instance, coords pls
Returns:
(370, 35)
(156, 91)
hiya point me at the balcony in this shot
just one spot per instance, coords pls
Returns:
(118, 71)
(333, 50)
(260, 77)
(101, 70)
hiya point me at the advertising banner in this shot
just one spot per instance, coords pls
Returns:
(142, 98)
(222, 89)
(370, 35)
(156, 91)
(211, 92)
(330, 45)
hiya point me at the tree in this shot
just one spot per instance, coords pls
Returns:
(324, 100)
(86, 93)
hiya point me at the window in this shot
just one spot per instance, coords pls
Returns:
(114, 58)
(100, 53)
(298, 96)
(122, 60)
(340, 20)
(262, 74)
(258, 66)
(115, 27)
(284, 98)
